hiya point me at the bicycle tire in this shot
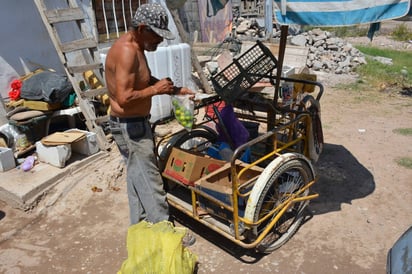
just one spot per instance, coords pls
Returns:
(283, 176)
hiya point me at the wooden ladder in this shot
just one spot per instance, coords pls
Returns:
(77, 49)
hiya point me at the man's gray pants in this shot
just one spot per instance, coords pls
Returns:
(146, 194)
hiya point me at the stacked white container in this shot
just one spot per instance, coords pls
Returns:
(172, 61)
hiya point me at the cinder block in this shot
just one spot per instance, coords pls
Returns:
(53, 155)
(7, 160)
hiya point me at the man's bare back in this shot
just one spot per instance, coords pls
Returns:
(127, 75)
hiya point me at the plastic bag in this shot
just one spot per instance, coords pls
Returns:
(183, 108)
(236, 130)
(157, 248)
(46, 86)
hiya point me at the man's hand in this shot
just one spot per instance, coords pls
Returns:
(183, 91)
(164, 86)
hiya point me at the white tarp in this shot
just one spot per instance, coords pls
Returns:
(338, 12)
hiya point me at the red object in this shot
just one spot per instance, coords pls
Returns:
(15, 91)
(209, 109)
(212, 167)
(16, 84)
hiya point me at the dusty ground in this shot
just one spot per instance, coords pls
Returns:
(364, 205)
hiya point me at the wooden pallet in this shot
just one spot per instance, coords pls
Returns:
(77, 49)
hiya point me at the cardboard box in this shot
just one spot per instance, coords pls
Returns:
(53, 155)
(218, 184)
(7, 160)
(188, 167)
(85, 146)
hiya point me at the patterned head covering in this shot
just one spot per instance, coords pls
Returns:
(154, 16)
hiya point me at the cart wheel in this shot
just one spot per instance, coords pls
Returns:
(197, 140)
(286, 174)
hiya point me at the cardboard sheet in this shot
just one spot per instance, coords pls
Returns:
(62, 138)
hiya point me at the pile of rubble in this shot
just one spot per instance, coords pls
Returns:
(326, 52)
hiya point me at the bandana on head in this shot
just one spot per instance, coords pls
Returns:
(155, 17)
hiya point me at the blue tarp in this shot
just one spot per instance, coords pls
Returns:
(338, 12)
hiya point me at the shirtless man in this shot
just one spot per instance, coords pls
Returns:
(131, 88)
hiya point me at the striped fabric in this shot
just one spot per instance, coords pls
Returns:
(337, 12)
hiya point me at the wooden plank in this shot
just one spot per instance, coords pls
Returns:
(78, 45)
(94, 92)
(101, 119)
(64, 15)
(295, 56)
(84, 68)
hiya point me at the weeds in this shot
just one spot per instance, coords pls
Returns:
(398, 75)
(403, 131)
(405, 162)
(402, 33)
(350, 31)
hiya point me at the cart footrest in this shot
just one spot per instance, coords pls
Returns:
(206, 219)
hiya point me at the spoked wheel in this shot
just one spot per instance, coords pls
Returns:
(287, 175)
(197, 140)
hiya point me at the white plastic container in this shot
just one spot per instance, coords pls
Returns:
(7, 161)
(172, 61)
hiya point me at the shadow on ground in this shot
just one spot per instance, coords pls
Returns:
(241, 254)
(342, 179)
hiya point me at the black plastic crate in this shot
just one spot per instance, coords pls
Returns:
(245, 71)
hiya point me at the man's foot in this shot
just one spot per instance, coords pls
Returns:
(189, 239)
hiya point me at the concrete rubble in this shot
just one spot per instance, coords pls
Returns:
(326, 53)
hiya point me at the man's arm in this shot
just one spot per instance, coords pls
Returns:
(127, 66)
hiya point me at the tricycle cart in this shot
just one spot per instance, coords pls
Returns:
(258, 204)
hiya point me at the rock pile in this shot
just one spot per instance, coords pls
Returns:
(326, 52)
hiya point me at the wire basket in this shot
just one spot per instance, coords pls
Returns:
(245, 71)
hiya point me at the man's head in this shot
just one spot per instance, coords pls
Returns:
(155, 17)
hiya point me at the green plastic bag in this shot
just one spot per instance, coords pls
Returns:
(183, 108)
(157, 248)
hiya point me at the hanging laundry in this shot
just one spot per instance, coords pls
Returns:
(213, 6)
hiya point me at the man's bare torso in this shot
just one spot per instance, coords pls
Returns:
(127, 76)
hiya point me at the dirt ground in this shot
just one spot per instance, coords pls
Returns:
(363, 208)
